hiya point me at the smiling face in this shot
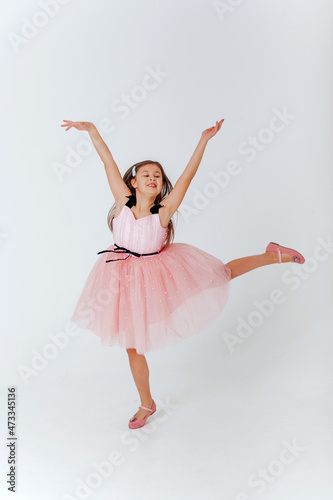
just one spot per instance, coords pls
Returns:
(148, 180)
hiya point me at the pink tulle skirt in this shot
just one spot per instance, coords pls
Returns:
(150, 302)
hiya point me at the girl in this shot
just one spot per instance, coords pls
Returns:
(144, 291)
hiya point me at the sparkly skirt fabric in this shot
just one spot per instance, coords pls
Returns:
(150, 302)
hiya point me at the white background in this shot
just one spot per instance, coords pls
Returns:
(222, 414)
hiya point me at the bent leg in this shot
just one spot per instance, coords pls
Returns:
(246, 264)
(140, 372)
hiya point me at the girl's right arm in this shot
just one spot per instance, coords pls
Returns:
(117, 185)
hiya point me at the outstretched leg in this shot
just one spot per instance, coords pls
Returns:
(140, 372)
(246, 264)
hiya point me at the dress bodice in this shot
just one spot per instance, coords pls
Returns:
(144, 235)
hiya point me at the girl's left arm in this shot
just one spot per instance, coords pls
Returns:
(174, 199)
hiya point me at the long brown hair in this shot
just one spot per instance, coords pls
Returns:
(166, 189)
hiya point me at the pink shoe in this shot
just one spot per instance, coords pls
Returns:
(275, 247)
(135, 423)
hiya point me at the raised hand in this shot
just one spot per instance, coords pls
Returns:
(77, 125)
(210, 132)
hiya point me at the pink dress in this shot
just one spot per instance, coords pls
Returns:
(151, 301)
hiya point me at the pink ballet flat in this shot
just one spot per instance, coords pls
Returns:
(135, 423)
(275, 247)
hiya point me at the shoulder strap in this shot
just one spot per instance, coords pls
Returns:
(132, 202)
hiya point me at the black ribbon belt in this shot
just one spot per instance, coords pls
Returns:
(125, 250)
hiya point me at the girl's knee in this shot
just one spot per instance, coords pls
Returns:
(131, 351)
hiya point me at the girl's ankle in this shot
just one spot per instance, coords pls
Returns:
(147, 405)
